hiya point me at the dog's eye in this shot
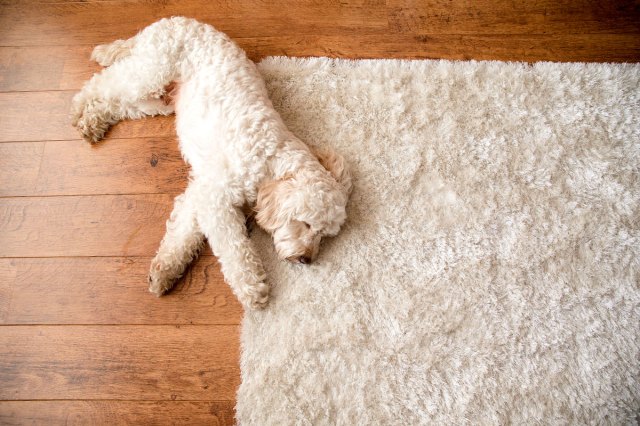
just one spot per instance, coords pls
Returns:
(307, 225)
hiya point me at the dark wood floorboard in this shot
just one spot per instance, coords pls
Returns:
(133, 413)
(110, 290)
(96, 225)
(131, 362)
(74, 167)
(81, 339)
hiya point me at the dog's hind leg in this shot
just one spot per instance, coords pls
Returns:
(224, 226)
(180, 245)
(129, 88)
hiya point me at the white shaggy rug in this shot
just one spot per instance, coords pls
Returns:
(488, 272)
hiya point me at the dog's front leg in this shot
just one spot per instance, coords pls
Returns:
(179, 246)
(224, 226)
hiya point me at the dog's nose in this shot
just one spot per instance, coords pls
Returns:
(304, 260)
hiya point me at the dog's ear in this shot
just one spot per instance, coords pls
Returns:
(269, 214)
(266, 206)
(336, 165)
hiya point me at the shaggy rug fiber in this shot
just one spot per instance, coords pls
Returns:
(488, 272)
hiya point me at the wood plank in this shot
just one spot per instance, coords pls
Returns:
(96, 22)
(525, 48)
(102, 290)
(8, 272)
(508, 17)
(119, 362)
(16, 64)
(118, 166)
(45, 68)
(59, 413)
(93, 23)
(105, 225)
(131, 225)
(19, 166)
(48, 119)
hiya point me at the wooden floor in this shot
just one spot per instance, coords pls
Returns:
(81, 339)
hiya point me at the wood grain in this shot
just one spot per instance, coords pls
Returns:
(8, 273)
(71, 23)
(19, 166)
(108, 290)
(105, 225)
(32, 65)
(76, 23)
(115, 166)
(36, 68)
(526, 48)
(134, 413)
(83, 226)
(508, 17)
(111, 362)
(48, 119)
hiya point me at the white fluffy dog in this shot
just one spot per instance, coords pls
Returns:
(240, 151)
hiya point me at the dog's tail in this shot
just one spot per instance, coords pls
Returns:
(107, 54)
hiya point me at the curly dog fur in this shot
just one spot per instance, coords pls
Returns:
(240, 152)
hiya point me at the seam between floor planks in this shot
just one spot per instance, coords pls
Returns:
(408, 34)
(118, 400)
(118, 138)
(171, 324)
(96, 194)
(106, 256)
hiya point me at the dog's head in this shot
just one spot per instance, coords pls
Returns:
(299, 210)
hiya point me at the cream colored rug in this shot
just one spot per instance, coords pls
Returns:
(489, 269)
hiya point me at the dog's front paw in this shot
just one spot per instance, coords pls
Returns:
(160, 281)
(87, 118)
(255, 297)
